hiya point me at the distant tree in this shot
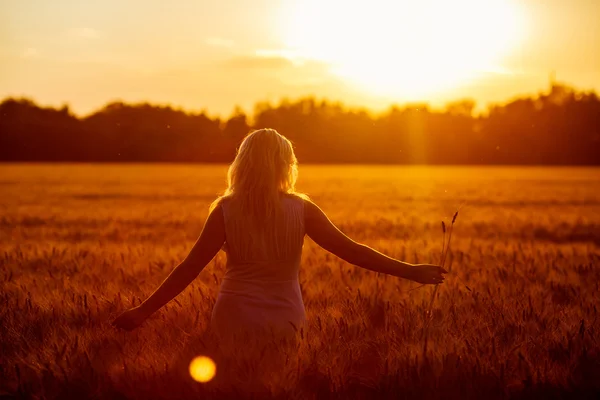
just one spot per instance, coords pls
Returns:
(236, 127)
(558, 126)
(463, 107)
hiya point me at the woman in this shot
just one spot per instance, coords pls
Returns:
(260, 221)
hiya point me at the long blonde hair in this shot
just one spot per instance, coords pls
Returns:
(265, 169)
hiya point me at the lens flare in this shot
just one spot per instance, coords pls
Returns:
(202, 369)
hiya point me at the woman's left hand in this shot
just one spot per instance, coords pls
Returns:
(130, 319)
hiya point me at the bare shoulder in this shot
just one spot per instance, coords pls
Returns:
(324, 232)
(215, 218)
(297, 196)
(218, 203)
(215, 214)
(312, 211)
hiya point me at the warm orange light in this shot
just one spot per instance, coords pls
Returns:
(405, 47)
(202, 369)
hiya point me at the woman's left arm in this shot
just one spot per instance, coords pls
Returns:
(206, 247)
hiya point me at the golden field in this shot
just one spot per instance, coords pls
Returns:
(517, 316)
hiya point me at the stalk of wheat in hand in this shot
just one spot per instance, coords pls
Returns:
(445, 250)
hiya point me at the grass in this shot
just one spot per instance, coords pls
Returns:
(81, 243)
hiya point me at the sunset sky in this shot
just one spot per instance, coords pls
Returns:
(214, 55)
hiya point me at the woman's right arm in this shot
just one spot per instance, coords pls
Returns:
(320, 229)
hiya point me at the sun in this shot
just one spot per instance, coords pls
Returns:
(408, 48)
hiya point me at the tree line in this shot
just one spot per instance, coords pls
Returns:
(560, 126)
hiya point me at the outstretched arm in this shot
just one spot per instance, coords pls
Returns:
(206, 247)
(320, 229)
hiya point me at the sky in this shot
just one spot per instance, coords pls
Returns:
(215, 55)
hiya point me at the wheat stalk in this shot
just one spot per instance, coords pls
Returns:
(445, 250)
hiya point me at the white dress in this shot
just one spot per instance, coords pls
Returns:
(262, 293)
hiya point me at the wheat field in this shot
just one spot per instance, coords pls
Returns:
(516, 317)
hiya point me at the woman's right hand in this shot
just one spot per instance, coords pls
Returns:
(428, 274)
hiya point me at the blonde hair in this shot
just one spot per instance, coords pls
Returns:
(265, 169)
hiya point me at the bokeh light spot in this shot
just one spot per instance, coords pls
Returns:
(202, 369)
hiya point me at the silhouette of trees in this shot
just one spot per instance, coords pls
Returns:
(32, 133)
(143, 132)
(560, 126)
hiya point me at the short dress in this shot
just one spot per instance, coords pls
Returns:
(262, 293)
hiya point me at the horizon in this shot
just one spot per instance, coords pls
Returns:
(214, 57)
(478, 109)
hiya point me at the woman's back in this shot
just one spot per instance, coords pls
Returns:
(260, 289)
(278, 258)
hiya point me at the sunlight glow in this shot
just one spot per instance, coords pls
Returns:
(202, 369)
(409, 48)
